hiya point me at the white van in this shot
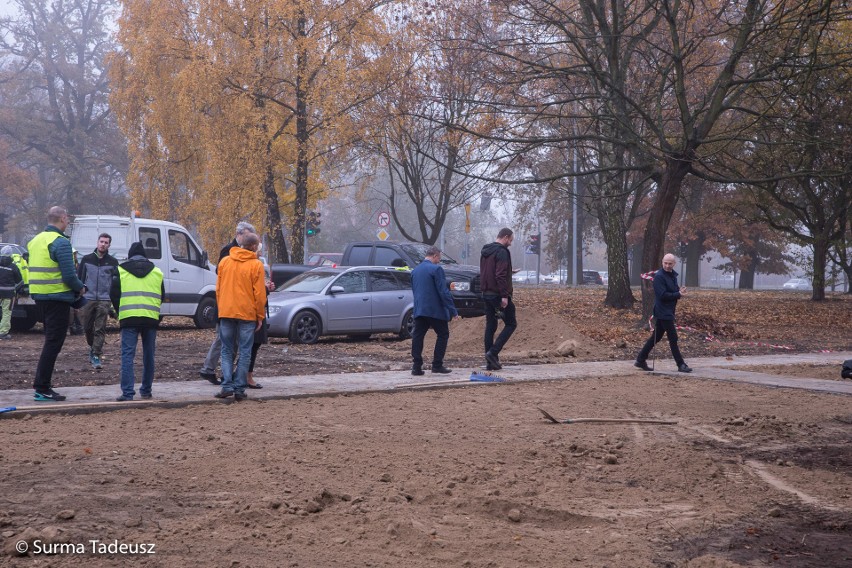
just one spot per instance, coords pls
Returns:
(188, 276)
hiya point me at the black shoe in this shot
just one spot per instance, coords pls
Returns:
(224, 394)
(493, 361)
(254, 386)
(417, 371)
(240, 396)
(210, 377)
(642, 365)
(124, 398)
(50, 395)
(443, 370)
(146, 395)
(684, 368)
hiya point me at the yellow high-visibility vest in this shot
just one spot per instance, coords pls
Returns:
(22, 265)
(45, 275)
(140, 297)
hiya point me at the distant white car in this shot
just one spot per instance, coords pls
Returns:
(604, 277)
(798, 284)
(525, 277)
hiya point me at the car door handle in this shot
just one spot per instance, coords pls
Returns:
(400, 297)
(365, 299)
(174, 270)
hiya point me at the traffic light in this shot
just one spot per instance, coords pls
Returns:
(312, 223)
(535, 244)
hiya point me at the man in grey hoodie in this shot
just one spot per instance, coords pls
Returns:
(495, 269)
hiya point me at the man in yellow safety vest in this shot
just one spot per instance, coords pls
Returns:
(54, 286)
(137, 293)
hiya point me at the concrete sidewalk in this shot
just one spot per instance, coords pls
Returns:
(201, 391)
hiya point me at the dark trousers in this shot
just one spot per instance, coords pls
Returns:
(56, 318)
(442, 330)
(662, 327)
(510, 324)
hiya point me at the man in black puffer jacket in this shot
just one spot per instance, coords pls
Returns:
(666, 294)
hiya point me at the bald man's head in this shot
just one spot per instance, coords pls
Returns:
(669, 262)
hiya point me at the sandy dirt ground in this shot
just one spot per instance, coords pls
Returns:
(465, 476)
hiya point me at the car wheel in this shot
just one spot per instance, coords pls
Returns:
(407, 325)
(206, 316)
(305, 328)
(25, 323)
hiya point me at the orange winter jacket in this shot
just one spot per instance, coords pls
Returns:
(240, 288)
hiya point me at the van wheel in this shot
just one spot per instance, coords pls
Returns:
(206, 316)
(407, 325)
(305, 328)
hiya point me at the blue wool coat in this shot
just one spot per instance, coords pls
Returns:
(666, 294)
(432, 296)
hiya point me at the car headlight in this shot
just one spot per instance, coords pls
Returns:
(460, 286)
(274, 309)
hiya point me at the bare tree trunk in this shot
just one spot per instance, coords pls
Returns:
(820, 255)
(618, 294)
(668, 192)
(297, 227)
(694, 249)
(278, 244)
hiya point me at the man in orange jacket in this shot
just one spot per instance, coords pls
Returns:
(241, 297)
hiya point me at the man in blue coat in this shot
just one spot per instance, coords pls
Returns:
(433, 308)
(666, 294)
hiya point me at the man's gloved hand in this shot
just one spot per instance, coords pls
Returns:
(112, 313)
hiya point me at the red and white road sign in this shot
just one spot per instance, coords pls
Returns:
(384, 218)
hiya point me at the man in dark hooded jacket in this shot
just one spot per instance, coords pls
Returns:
(10, 283)
(495, 269)
(137, 293)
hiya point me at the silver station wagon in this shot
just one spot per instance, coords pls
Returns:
(356, 301)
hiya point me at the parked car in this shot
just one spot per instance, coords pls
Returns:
(604, 277)
(357, 301)
(525, 277)
(560, 276)
(463, 280)
(798, 284)
(592, 277)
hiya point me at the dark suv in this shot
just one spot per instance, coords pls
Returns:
(592, 277)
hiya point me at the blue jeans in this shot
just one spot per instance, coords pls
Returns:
(237, 334)
(129, 339)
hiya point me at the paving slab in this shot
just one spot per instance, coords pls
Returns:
(89, 398)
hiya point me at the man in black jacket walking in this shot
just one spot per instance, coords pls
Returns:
(666, 294)
(495, 269)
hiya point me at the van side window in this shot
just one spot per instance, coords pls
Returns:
(183, 249)
(150, 238)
